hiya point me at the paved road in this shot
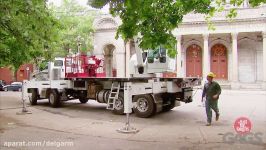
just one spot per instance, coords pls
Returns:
(91, 126)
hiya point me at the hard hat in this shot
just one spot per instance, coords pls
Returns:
(211, 74)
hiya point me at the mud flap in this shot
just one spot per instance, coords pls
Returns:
(185, 95)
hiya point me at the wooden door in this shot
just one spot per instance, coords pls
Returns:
(194, 61)
(219, 61)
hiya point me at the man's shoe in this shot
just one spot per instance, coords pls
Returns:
(217, 117)
(208, 124)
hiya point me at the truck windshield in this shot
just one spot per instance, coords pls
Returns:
(162, 51)
(58, 63)
(158, 52)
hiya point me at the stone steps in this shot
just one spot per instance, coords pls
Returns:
(242, 86)
(250, 86)
(224, 84)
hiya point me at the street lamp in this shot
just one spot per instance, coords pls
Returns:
(79, 40)
(28, 69)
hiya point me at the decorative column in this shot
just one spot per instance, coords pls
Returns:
(178, 56)
(127, 55)
(206, 58)
(264, 60)
(234, 84)
(227, 5)
(120, 67)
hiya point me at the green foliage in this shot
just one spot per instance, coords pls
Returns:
(77, 26)
(28, 31)
(154, 20)
(43, 65)
(253, 3)
(98, 3)
(219, 6)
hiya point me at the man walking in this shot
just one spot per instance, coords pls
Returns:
(211, 90)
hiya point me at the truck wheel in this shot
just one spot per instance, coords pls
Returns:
(144, 106)
(54, 99)
(83, 97)
(34, 97)
(83, 100)
(119, 105)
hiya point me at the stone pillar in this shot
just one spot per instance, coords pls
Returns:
(127, 55)
(178, 56)
(234, 84)
(206, 56)
(227, 4)
(183, 58)
(120, 64)
(264, 60)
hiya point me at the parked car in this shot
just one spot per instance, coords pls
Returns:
(15, 86)
(2, 85)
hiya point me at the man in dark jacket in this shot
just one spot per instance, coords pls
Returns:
(211, 90)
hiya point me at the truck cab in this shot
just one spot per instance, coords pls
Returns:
(56, 69)
(154, 61)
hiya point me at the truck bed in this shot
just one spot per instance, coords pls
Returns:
(136, 79)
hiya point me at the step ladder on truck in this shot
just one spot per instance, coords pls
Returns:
(113, 96)
(146, 91)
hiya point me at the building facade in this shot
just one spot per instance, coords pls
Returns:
(235, 51)
(21, 74)
(6, 75)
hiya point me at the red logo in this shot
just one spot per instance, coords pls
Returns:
(242, 125)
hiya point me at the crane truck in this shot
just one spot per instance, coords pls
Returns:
(82, 77)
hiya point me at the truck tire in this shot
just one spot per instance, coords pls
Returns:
(145, 106)
(119, 105)
(83, 100)
(54, 99)
(34, 97)
(83, 97)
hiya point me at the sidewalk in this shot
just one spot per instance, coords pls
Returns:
(244, 91)
(240, 91)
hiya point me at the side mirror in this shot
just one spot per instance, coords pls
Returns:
(162, 56)
(140, 69)
(162, 59)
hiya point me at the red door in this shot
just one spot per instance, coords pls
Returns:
(219, 61)
(194, 61)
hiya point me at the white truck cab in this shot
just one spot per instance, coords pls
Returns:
(56, 69)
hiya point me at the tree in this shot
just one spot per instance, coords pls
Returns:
(28, 31)
(154, 20)
(77, 23)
